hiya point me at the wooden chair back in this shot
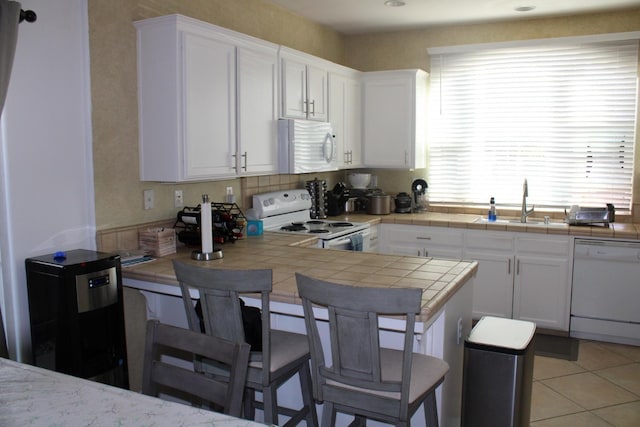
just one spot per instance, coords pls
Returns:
(158, 374)
(354, 352)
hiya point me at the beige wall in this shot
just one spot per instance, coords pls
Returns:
(408, 49)
(118, 189)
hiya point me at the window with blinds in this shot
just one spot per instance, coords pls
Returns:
(562, 116)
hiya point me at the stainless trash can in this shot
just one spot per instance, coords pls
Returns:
(498, 373)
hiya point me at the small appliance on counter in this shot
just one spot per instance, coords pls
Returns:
(318, 191)
(338, 199)
(591, 216)
(379, 204)
(227, 221)
(420, 198)
(403, 203)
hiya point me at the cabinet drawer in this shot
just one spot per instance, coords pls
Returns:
(427, 236)
(547, 245)
(490, 241)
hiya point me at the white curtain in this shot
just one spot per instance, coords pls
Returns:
(9, 20)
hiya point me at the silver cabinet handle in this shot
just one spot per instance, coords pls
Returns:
(245, 161)
(509, 266)
(423, 238)
(235, 166)
(517, 267)
(313, 111)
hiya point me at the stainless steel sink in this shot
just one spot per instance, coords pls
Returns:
(516, 221)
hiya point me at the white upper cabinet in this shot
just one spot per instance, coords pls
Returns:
(345, 115)
(257, 148)
(394, 110)
(304, 86)
(198, 120)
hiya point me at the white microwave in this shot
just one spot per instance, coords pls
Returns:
(306, 146)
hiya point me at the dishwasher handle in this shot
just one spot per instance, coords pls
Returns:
(607, 251)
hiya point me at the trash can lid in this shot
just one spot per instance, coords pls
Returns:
(500, 332)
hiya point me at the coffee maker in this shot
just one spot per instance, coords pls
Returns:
(318, 191)
(420, 198)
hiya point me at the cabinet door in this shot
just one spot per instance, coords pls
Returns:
(353, 118)
(317, 93)
(542, 281)
(209, 107)
(417, 240)
(294, 89)
(540, 291)
(388, 122)
(493, 284)
(337, 118)
(257, 112)
(394, 116)
(345, 117)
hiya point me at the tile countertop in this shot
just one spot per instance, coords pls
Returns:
(617, 230)
(287, 254)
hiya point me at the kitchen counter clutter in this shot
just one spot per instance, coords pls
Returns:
(439, 279)
(616, 230)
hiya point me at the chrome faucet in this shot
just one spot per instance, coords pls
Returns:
(525, 193)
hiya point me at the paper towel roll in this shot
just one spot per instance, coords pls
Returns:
(205, 225)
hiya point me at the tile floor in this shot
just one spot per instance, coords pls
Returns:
(600, 389)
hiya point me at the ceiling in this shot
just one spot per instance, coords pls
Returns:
(364, 16)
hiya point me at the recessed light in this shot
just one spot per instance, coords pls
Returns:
(394, 3)
(524, 8)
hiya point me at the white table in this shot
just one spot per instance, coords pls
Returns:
(32, 396)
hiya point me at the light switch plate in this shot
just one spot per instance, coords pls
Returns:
(148, 199)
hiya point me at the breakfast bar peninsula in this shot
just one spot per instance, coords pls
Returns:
(444, 322)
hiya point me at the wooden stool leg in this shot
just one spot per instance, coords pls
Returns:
(431, 410)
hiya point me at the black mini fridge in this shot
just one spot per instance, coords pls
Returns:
(77, 315)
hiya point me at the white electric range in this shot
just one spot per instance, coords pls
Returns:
(288, 211)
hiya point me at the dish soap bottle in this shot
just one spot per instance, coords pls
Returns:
(492, 209)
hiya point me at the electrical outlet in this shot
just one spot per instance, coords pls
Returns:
(178, 201)
(229, 191)
(148, 199)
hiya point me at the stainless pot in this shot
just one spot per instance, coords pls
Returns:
(379, 205)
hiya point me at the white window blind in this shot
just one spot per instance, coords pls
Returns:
(562, 116)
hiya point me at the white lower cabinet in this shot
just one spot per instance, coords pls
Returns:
(374, 233)
(524, 276)
(521, 276)
(414, 240)
(541, 291)
(493, 286)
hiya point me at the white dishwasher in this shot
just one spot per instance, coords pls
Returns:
(605, 296)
